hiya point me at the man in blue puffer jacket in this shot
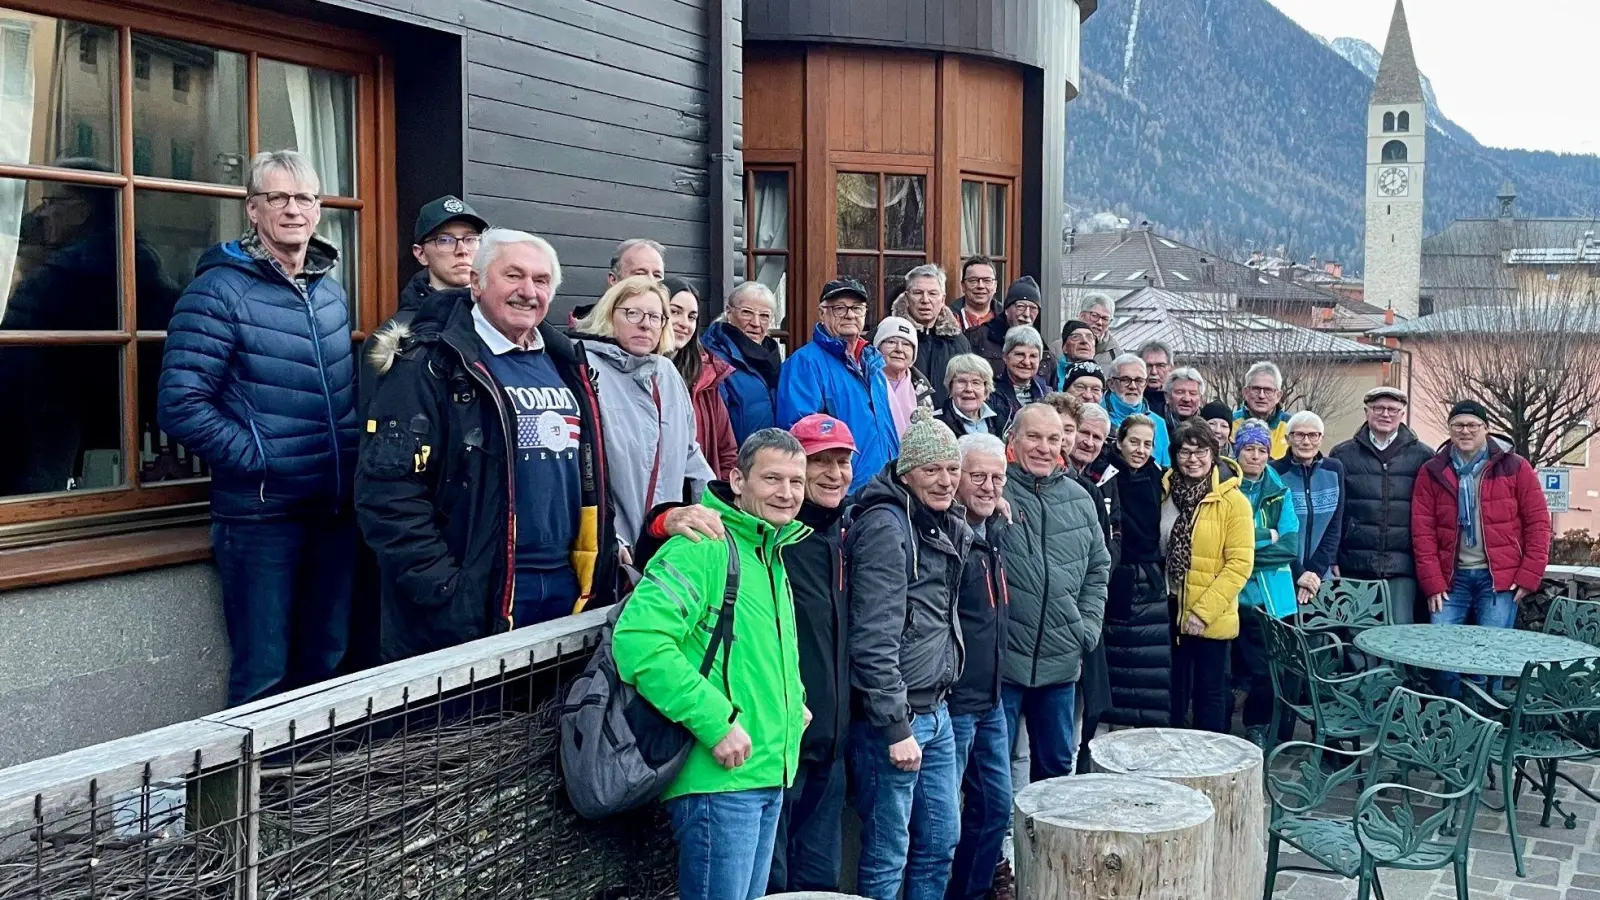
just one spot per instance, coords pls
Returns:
(840, 375)
(258, 379)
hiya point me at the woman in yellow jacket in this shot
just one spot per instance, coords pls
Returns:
(1208, 538)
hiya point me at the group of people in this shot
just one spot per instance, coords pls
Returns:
(944, 535)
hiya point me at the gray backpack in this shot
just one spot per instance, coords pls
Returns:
(617, 751)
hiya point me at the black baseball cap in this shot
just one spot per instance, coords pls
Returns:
(840, 287)
(443, 211)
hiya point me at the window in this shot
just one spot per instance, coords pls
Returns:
(985, 223)
(1394, 151)
(1404, 121)
(881, 222)
(1576, 444)
(1388, 121)
(141, 66)
(81, 376)
(767, 231)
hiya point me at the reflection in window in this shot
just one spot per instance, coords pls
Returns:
(141, 65)
(173, 231)
(338, 227)
(310, 110)
(767, 233)
(70, 399)
(89, 49)
(880, 257)
(58, 257)
(14, 68)
(199, 132)
(142, 164)
(52, 106)
(180, 78)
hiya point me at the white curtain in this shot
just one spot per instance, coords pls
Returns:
(315, 113)
(971, 218)
(772, 232)
(16, 136)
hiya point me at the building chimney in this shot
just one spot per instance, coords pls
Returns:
(1072, 239)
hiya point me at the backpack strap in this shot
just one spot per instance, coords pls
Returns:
(722, 635)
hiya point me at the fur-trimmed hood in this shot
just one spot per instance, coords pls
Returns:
(386, 345)
(945, 325)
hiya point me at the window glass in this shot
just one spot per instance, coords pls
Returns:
(857, 210)
(172, 231)
(997, 220)
(904, 218)
(161, 458)
(200, 130)
(58, 83)
(338, 227)
(894, 276)
(971, 218)
(865, 270)
(69, 398)
(312, 111)
(770, 215)
(773, 271)
(58, 257)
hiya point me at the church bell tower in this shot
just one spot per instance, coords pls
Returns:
(1397, 138)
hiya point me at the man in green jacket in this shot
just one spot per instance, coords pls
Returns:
(748, 713)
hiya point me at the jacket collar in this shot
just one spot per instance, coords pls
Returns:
(497, 343)
(944, 324)
(745, 527)
(836, 348)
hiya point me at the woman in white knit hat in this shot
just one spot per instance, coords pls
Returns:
(896, 339)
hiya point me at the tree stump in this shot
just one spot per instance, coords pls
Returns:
(1089, 837)
(813, 895)
(1227, 770)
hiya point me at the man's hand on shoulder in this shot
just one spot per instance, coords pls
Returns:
(694, 522)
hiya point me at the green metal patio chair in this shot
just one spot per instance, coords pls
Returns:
(1576, 619)
(1345, 607)
(1395, 826)
(1554, 716)
(1310, 683)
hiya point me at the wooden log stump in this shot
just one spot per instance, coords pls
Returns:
(813, 895)
(1089, 837)
(1227, 770)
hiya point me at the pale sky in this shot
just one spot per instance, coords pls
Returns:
(1515, 73)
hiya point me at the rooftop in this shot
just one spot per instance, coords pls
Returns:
(1398, 80)
(1499, 319)
(1204, 326)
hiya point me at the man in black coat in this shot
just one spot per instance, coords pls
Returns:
(939, 337)
(1021, 306)
(1380, 467)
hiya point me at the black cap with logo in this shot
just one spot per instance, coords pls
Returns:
(843, 287)
(443, 211)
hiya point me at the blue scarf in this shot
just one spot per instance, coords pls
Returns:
(1121, 409)
(1467, 477)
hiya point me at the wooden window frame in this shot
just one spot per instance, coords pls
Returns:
(868, 164)
(1008, 252)
(790, 253)
(37, 519)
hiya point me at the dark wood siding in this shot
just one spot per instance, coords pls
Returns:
(1003, 29)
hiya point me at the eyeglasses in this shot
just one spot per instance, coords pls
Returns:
(638, 315)
(1387, 410)
(280, 199)
(1193, 452)
(846, 309)
(1023, 306)
(448, 242)
(984, 479)
(978, 282)
(1127, 380)
(1261, 390)
(1467, 427)
(1305, 435)
(760, 316)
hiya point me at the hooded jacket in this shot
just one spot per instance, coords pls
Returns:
(1277, 423)
(984, 608)
(1223, 553)
(949, 415)
(750, 392)
(905, 636)
(435, 495)
(665, 628)
(1317, 490)
(989, 341)
(1271, 584)
(1516, 522)
(258, 380)
(1138, 626)
(648, 421)
(1004, 400)
(1375, 542)
(1057, 567)
(824, 377)
(936, 344)
(412, 296)
(712, 429)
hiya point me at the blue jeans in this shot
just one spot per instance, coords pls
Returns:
(1051, 711)
(286, 587)
(806, 855)
(1472, 595)
(983, 750)
(543, 595)
(910, 821)
(725, 842)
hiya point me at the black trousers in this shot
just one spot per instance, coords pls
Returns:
(1200, 683)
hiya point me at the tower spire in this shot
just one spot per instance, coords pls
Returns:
(1398, 79)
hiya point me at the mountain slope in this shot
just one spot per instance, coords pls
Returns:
(1238, 128)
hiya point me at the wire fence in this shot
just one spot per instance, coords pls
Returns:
(431, 778)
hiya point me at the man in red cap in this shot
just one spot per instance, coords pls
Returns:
(806, 856)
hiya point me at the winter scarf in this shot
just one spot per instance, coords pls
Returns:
(1186, 496)
(1467, 472)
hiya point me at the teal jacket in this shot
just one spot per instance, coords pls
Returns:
(662, 635)
(1271, 584)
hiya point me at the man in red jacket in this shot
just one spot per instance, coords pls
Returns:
(1480, 528)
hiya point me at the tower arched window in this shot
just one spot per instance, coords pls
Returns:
(1404, 121)
(1388, 121)
(1394, 151)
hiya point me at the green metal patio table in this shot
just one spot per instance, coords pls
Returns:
(1468, 649)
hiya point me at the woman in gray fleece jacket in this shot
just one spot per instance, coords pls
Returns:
(646, 415)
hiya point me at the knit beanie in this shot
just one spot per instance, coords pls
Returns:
(1074, 325)
(1216, 409)
(1469, 408)
(1083, 370)
(1252, 431)
(927, 440)
(895, 327)
(1024, 288)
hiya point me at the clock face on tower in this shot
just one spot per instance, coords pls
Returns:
(1393, 181)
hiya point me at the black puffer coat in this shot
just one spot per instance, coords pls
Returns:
(1138, 630)
(1377, 507)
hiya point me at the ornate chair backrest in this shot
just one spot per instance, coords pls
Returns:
(1557, 700)
(1346, 606)
(1297, 667)
(1576, 619)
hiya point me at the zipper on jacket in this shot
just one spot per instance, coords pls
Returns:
(1044, 597)
(261, 449)
(597, 441)
(481, 373)
(777, 618)
(327, 392)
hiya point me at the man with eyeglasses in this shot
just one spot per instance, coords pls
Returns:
(977, 292)
(258, 380)
(1480, 527)
(1157, 358)
(1263, 399)
(840, 374)
(1381, 463)
(939, 337)
(444, 242)
(1021, 306)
